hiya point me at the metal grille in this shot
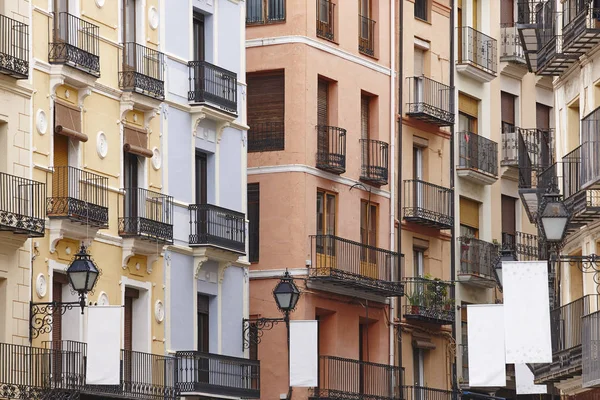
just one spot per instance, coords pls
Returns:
(478, 153)
(430, 101)
(478, 49)
(213, 85)
(217, 226)
(142, 70)
(14, 48)
(374, 161)
(146, 214)
(22, 205)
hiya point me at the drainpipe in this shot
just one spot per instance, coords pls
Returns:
(399, 185)
(392, 165)
(453, 230)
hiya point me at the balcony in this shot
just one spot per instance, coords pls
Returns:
(477, 56)
(510, 45)
(79, 196)
(529, 23)
(326, 20)
(374, 169)
(259, 12)
(429, 300)
(212, 86)
(200, 373)
(366, 36)
(477, 158)
(218, 227)
(141, 70)
(145, 214)
(14, 48)
(552, 59)
(341, 264)
(523, 245)
(266, 136)
(581, 26)
(428, 204)
(75, 43)
(477, 261)
(331, 149)
(426, 393)
(566, 325)
(590, 339)
(510, 146)
(430, 101)
(22, 206)
(343, 378)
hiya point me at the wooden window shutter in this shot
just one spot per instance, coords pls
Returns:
(468, 105)
(507, 12)
(469, 213)
(508, 108)
(67, 121)
(254, 221)
(130, 294)
(136, 142)
(322, 102)
(508, 215)
(542, 114)
(266, 111)
(364, 117)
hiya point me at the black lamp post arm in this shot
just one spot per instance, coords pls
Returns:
(41, 315)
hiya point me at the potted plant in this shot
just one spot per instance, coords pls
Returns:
(415, 300)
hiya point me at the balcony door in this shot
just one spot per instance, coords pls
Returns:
(131, 295)
(129, 29)
(368, 237)
(509, 223)
(203, 344)
(201, 195)
(58, 284)
(419, 69)
(132, 200)
(365, 13)
(418, 178)
(61, 26)
(323, 119)
(199, 43)
(60, 184)
(326, 224)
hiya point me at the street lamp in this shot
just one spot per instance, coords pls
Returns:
(82, 274)
(506, 254)
(286, 294)
(554, 217)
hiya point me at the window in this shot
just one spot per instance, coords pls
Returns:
(130, 296)
(542, 116)
(365, 105)
(202, 307)
(253, 221)
(325, 19)
(507, 101)
(468, 109)
(266, 111)
(417, 163)
(469, 218)
(129, 21)
(508, 222)
(326, 213)
(366, 35)
(58, 283)
(201, 178)
(264, 11)
(507, 13)
(419, 262)
(131, 175)
(421, 9)
(199, 37)
(418, 369)
(323, 102)
(368, 223)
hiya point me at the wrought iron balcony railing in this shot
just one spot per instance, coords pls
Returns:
(523, 245)
(145, 214)
(510, 44)
(266, 136)
(206, 373)
(343, 262)
(429, 300)
(331, 149)
(366, 36)
(528, 11)
(430, 101)
(478, 258)
(374, 161)
(428, 204)
(590, 341)
(76, 43)
(552, 58)
(14, 48)
(141, 70)
(265, 12)
(510, 145)
(22, 204)
(343, 378)
(212, 85)
(217, 226)
(478, 49)
(581, 25)
(425, 393)
(326, 19)
(79, 196)
(478, 153)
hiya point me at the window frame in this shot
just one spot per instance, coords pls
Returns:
(325, 217)
(425, 9)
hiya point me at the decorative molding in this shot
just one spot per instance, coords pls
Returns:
(99, 3)
(153, 18)
(198, 262)
(41, 286)
(159, 311)
(59, 228)
(103, 299)
(83, 94)
(222, 268)
(133, 246)
(277, 273)
(156, 158)
(220, 128)
(41, 122)
(101, 145)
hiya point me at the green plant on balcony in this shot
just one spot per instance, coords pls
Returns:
(416, 300)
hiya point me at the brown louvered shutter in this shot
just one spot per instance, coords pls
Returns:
(542, 114)
(508, 215)
(266, 111)
(254, 221)
(508, 108)
(67, 121)
(364, 117)
(322, 100)
(507, 12)
(130, 294)
(469, 213)
(60, 177)
(136, 142)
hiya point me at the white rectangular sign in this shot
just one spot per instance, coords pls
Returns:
(303, 353)
(103, 345)
(524, 381)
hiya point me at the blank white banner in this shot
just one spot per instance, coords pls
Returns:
(524, 381)
(103, 345)
(303, 353)
(526, 312)
(485, 328)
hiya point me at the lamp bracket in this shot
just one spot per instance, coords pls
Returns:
(253, 329)
(41, 315)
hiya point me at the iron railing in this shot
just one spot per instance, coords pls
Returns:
(535, 153)
(429, 300)
(591, 349)
(478, 257)
(590, 165)
(510, 145)
(478, 153)
(428, 204)
(31, 372)
(430, 101)
(566, 322)
(14, 48)
(218, 226)
(510, 44)
(79, 195)
(528, 10)
(326, 19)
(261, 11)
(366, 36)
(75, 42)
(146, 214)
(426, 393)
(353, 264)
(266, 136)
(206, 373)
(22, 205)
(374, 161)
(331, 149)
(523, 245)
(479, 50)
(581, 26)
(141, 70)
(212, 85)
(354, 379)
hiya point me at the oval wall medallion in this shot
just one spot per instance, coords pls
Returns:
(41, 285)
(99, 3)
(153, 17)
(101, 145)
(159, 311)
(103, 299)
(156, 159)
(41, 122)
